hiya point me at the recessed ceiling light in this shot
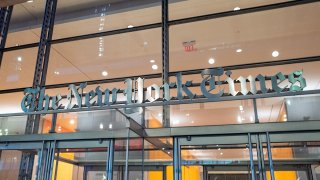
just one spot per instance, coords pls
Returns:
(275, 53)
(101, 126)
(239, 50)
(187, 114)
(221, 153)
(236, 8)
(239, 119)
(19, 58)
(241, 108)
(211, 61)
(72, 121)
(152, 61)
(110, 126)
(100, 54)
(159, 114)
(104, 73)
(57, 72)
(130, 26)
(30, 1)
(251, 119)
(154, 67)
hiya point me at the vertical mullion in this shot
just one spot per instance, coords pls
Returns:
(270, 157)
(253, 172)
(165, 58)
(5, 13)
(110, 159)
(176, 159)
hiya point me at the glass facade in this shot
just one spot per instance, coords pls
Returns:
(131, 90)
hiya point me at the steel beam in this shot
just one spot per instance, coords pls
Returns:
(5, 16)
(42, 62)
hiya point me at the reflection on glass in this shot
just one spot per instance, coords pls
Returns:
(287, 109)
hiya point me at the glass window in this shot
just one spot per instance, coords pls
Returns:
(98, 16)
(17, 68)
(271, 35)
(107, 57)
(26, 22)
(190, 8)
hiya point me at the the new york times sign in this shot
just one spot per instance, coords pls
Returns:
(37, 100)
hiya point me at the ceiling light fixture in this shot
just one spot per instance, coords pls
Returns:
(101, 126)
(130, 26)
(275, 53)
(72, 121)
(239, 119)
(211, 61)
(152, 61)
(236, 8)
(57, 72)
(104, 73)
(239, 50)
(19, 58)
(30, 1)
(110, 126)
(154, 67)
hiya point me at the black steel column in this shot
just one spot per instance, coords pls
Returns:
(5, 16)
(39, 80)
(165, 59)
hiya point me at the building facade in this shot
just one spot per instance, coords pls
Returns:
(155, 90)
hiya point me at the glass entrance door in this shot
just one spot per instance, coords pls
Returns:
(13, 153)
(81, 160)
(216, 157)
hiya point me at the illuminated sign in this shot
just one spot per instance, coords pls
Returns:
(211, 87)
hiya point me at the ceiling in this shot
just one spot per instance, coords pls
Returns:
(294, 32)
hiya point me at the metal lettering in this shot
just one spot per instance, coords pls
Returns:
(275, 83)
(210, 76)
(295, 77)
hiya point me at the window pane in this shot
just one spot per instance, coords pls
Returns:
(26, 22)
(17, 68)
(190, 8)
(98, 16)
(279, 34)
(106, 57)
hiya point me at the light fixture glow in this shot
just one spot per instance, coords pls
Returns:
(275, 53)
(236, 8)
(159, 115)
(221, 153)
(130, 26)
(19, 58)
(188, 114)
(154, 67)
(152, 61)
(101, 126)
(239, 119)
(289, 102)
(251, 119)
(211, 61)
(72, 121)
(239, 50)
(30, 1)
(104, 73)
(110, 126)
(57, 72)
(241, 108)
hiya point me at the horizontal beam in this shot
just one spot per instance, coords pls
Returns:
(221, 130)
